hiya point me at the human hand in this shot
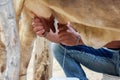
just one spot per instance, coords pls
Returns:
(42, 26)
(67, 35)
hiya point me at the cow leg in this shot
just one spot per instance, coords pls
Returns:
(2, 60)
(26, 37)
(43, 60)
(2, 54)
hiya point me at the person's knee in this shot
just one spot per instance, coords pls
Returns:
(56, 49)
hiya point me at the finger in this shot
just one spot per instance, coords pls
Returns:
(63, 28)
(62, 31)
(37, 29)
(37, 24)
(63, 39)
(63, 34)
(40, 33)
(36, 19)
(61, 25)
(45, 24)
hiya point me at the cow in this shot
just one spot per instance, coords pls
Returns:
(97, 21)
(90, 18)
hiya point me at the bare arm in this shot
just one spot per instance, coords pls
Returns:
(65, 34)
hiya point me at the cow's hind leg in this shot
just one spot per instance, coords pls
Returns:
(26, 37)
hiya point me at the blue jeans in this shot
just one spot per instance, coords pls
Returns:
(101, 60)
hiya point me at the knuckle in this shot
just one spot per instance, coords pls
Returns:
(34, 29)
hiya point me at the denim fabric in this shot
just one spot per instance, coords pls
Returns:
(101, 60)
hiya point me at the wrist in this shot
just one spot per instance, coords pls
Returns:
(79, 40)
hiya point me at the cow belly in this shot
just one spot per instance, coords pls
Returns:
(96, 37)
(103, 14)
(94, 28)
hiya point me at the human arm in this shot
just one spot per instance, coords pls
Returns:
(68, 35)
(65, 34)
